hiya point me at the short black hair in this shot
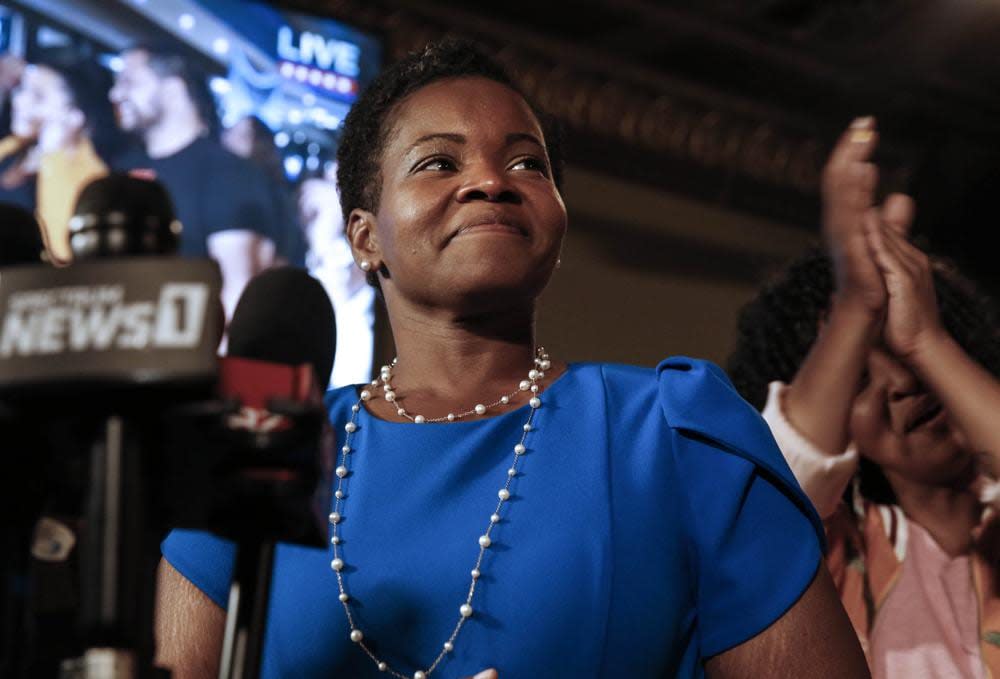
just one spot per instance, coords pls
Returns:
(366, 126)
(778, 327)
(167, 62)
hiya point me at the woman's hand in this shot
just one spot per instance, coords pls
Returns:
(849, 210)
(969, 393)
(819, 399)
(912, 323)
(848, 189)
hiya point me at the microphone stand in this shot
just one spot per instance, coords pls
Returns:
(118, 563)
(20, 504)
(282, 498)
(246, 621)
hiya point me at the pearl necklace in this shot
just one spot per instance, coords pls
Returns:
(542, 363)
(337, 564)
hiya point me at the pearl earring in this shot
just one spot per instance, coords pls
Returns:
(365, 266)
(559, 262)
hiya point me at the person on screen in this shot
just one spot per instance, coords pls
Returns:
(330, 260)
(876, 367)
(61, 125)
(496, 507)
(222, 200)
(319, 245)
(252, 139)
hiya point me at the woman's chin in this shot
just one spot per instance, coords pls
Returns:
(951, 466)
(485, 292)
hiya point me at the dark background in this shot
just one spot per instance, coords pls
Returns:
(697, 130)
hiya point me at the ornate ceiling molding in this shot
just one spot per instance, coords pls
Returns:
(652, 115)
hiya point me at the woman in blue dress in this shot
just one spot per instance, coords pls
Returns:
(496, 507)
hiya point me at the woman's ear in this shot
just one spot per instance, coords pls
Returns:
(362, 236)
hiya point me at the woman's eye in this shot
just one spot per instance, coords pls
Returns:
(531, 163)
(436, 164)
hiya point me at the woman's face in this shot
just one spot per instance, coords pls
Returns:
(898, 424)
(42, 103)
(469, 216)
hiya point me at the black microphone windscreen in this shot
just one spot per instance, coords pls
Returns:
(20, 237)
(120, 215)
(285, 316)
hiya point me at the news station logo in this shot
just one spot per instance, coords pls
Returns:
(98, 318)
(127, 321)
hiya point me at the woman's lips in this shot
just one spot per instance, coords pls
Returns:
(934, 419)
(491, 222)
(929, 412)
(500, 228)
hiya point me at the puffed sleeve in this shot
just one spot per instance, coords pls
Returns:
(204, 559)
(757, 539)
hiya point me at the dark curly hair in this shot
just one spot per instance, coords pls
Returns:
(778, 327)
(369, 121)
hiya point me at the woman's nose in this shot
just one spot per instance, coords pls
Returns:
(894, 379)
(903, 383)
(488, 184)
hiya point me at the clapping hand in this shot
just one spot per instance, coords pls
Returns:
(819, 399)
(913, 331)
(848, 187)
(849, 183)
(912, 321)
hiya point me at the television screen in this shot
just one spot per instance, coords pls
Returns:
(234, 105)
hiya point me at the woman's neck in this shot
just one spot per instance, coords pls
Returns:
(452, 352)
(448, 361)
(949, 514)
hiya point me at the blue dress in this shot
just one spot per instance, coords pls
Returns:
(654, 525)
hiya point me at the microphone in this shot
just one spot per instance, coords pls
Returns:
(122, 215)
(20, 237)
(254, 463)
(273, 481)
(285, 316)
(91, 356)
(21, 491)
(125, 314)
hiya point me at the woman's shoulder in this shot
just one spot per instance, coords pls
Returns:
(691, 392)
(697, 394)
(694, 399)
(612, 374)
(340, 399)
(701, 405)
(680, 393)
